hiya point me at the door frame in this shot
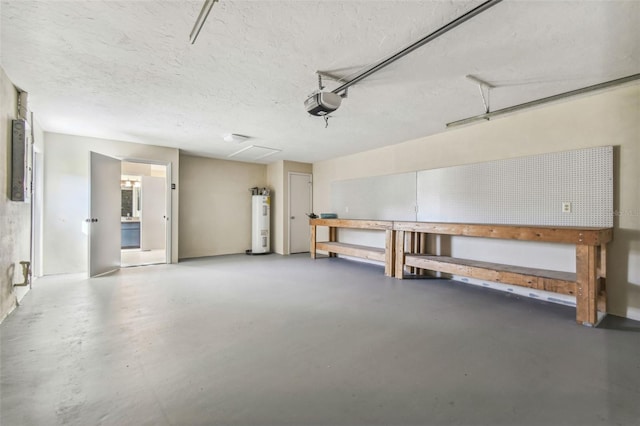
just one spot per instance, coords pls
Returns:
(37, 198)
(310, 175)
(168, 202)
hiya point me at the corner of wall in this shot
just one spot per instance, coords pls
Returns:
(15, 217)
(274, 180)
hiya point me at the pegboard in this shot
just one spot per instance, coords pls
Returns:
(519, 191)
(391, 197)
(527, 190)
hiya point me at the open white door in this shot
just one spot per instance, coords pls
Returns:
(104, 214)
(299, 206)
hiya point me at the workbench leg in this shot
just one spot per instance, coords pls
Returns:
(410, 248)
(399, 248)
(389, 252)
(602, 279)
(422, 249)
(587, 285)
(312, 249)
(414, 247)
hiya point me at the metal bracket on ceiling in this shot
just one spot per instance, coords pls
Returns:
(329, 76)
(483, 86)
(553, 98)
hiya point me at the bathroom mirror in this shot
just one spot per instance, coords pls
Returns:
(126, 202)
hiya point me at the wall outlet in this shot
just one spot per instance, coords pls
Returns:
(566, 207)
(346, 209)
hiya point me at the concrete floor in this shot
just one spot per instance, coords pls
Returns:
(272, 340)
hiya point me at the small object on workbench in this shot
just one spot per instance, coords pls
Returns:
(328, 215)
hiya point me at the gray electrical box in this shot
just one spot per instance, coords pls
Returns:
(20, 161)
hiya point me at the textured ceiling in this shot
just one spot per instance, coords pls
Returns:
(125, 70)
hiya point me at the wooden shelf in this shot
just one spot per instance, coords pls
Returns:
(365, 252)
(541, 279)
(334, 247)
(587, 284)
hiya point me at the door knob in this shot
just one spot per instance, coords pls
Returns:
(293, 217)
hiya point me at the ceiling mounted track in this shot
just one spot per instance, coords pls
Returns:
(204, 13)
(322, 103)
(434, 35)
(601, 86)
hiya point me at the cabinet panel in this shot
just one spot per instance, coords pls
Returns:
(130, 234)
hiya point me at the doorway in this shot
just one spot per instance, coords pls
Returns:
(143, 215)
(300, 204)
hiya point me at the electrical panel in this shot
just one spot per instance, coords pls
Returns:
(20, 161)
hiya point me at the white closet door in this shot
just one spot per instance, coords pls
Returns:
(104, 214)
(299, 206)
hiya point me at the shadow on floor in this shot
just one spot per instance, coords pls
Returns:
(612, 322)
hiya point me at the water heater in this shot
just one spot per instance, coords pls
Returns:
(260, 219)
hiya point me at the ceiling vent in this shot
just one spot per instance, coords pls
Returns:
(253, 153)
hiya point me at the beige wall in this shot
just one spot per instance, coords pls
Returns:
(275, 180)
(66, 195)
(609, 118)
(278, 178)
(14, 216)
(215, 205)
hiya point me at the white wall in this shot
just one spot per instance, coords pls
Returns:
(38, 201)
(14, 216)
(215, 205)
(609, 118)
(66, 195)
